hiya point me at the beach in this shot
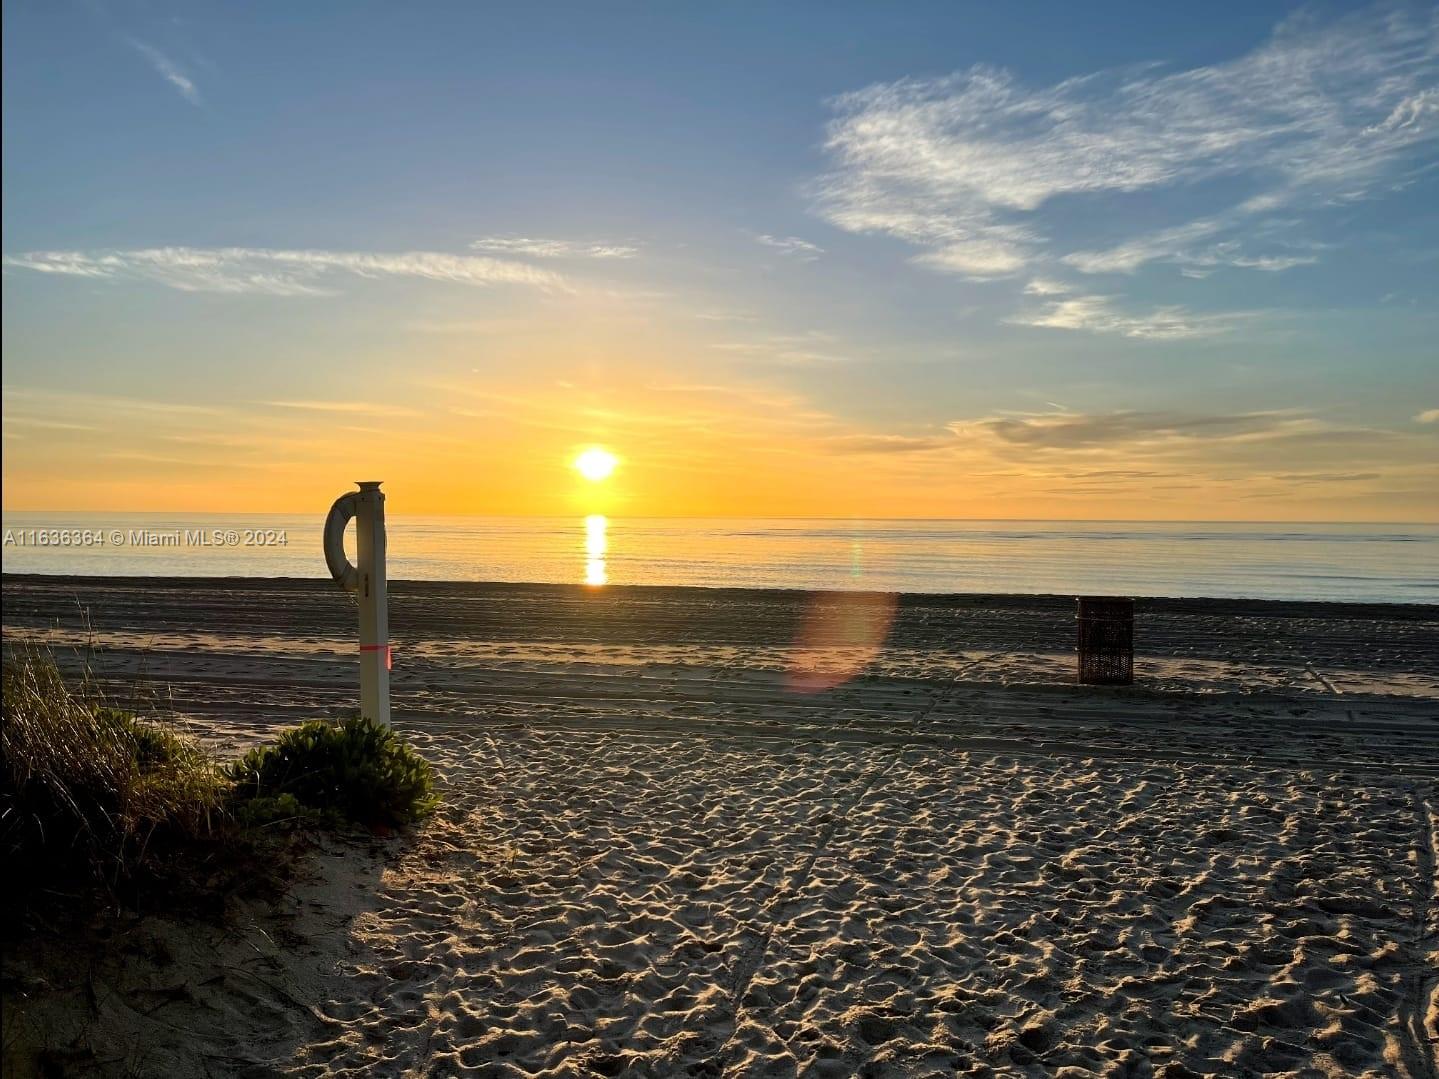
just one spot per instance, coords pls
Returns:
(726, 832)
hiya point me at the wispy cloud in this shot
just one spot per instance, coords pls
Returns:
(141, 457)
(1429, 415)
(1131, 429)
(967, 167)
(1326, 477)
(792, 246)
(724, 316)
(1045, 286)
(1182, 246)
(1098, 314)
(67, 401)
(993, 255)
(1128, 256)
(168, 70)
(884, 444)
(487, 326)
(553, 249)
(781, 356)
(359, 408)
(809, 349)
(46, 424)
(277, 272)
(1149, 454)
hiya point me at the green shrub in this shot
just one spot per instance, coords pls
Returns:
(358, 768)
(281, 812)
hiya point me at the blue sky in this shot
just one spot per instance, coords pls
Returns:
(1057, 260)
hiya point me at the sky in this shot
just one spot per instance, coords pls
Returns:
(1101, 261)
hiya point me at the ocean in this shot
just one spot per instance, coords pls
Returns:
(1353, 562)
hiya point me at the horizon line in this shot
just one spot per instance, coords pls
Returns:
(742, 517)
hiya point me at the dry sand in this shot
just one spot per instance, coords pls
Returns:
(658, 856)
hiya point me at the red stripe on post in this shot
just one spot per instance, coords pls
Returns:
(389, 653)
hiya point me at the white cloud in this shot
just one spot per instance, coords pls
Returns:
(1410, 113)
(1098, 314)
(1177, 245)
(1429, 415)
(966, 166)
(1044, 286)
(536, 248)
(1273, 263)
(168, 70)
(276, 272)
(1129, 256)
(792, 246)
(975, 258)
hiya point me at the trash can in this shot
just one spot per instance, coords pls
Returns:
(1106, 640)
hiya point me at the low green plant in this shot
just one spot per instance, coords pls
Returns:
(281, 812)
(358, 768)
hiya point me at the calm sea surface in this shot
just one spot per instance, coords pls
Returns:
(1393, 563)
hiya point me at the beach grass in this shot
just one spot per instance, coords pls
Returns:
(97, 801)
(90, 792)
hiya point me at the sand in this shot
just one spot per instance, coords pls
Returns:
(714, 833)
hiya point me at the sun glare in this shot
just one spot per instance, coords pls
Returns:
(596, 545)
(596, 464)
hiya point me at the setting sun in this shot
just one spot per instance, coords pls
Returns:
(596, 464)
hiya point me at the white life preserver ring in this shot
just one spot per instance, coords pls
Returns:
(341, 513)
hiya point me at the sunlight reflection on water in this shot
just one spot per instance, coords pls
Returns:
(597, 545)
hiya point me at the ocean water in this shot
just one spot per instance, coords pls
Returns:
(1357, 562)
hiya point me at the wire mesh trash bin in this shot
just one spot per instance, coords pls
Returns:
(1106, 640)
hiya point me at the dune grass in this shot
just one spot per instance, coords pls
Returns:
(91, 792)
(94, 799)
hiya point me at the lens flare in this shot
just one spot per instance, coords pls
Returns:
(840, 634)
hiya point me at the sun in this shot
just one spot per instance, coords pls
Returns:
(596, 464)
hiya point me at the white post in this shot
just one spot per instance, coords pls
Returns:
(367, 581)
(374, 609)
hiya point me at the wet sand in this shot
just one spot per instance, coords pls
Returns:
(727, 832)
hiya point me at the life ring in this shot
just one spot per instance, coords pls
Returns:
(341, 514)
